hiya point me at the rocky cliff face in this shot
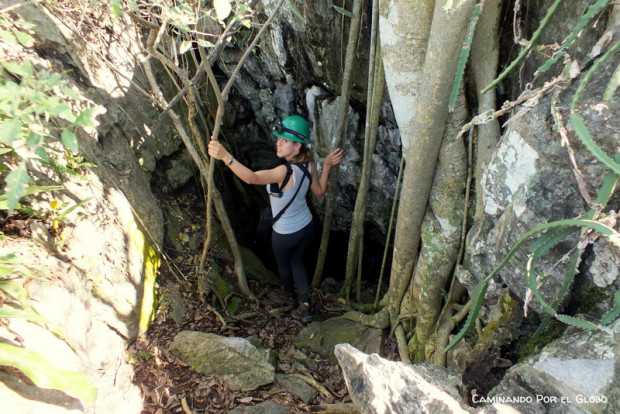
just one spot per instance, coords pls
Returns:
(93, 275)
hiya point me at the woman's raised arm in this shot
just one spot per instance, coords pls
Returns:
(261, 177)
(319, 185)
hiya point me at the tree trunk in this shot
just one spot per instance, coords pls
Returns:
(375, 94)
(441, 231)
(449, 26)
(404, 30)
(342, 118)
(484, 60)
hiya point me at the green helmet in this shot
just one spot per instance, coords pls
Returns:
(293, 128)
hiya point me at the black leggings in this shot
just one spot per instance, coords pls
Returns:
(289, 252)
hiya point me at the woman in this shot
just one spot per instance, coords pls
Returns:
(293, 230)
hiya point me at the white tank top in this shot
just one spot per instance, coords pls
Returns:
(297, 215)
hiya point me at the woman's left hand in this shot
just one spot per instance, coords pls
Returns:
(333, 158)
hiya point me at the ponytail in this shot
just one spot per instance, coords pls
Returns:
(305, 155)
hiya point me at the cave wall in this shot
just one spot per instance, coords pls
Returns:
(93, 278)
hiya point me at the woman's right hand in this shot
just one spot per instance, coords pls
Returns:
(217, 151)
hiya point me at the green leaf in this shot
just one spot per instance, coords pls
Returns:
(85, 118)
(606, 190)
(70, 93)
(44, 375)
(24, 38)
(15, 184)
(40, 151)
(588, 141)
(69, 140)
(68, 210)
(53, 79)
(8, 36)
(476, 305)
(33, 140)
(4, 271)
(550, 239)
(117, 8)
(528, 48)
(10, 130)
(584, 20)
(14, 290)
(299, 16)
(613, 84)
(580, 323)
(5, 150)
(9, 257)
(614, 312)
(592, 72)
(464, 56)
(22, 70)
(532, 282)
(35, 189)
(59, 109)
(343, 11)
(28, 314)
(204, 43)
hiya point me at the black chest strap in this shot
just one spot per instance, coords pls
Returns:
(275, 188)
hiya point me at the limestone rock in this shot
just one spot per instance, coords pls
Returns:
(322, 337)
(234, 359)
(529, 181)
(297, 387)
(576, 373)
(266, 407)
(380, 386)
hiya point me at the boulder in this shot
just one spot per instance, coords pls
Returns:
(379, 386)
(576, 373)
(265, 407)
(322, 337)
(233, 359)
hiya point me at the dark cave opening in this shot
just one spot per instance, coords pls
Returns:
(243, 211)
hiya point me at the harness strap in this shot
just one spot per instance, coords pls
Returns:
(306, 174)
(287, 177)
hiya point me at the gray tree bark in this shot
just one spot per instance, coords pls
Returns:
(449, 25)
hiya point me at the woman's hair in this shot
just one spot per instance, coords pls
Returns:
(305, 155)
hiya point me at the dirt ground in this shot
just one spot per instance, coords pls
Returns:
(168, 384)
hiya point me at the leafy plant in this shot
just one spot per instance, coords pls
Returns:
(478, 299)
(35, 114)
(134, 357)
(340, 10)
(60, 211)
(30, 103)
(31, 363)
(45, 375)
(550, 234)
(4, 205)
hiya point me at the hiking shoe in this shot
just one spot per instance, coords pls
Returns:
(302, 313)
(282, 297)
